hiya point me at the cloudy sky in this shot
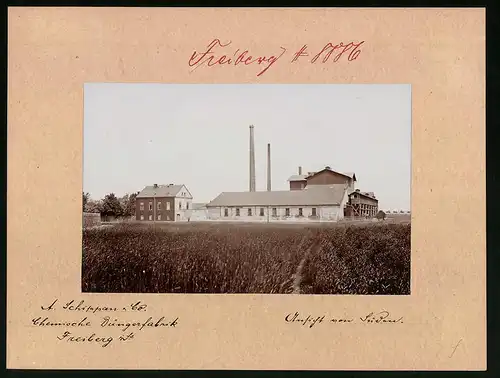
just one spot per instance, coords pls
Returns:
(141, 134)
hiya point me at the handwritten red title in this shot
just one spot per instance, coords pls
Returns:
(219, 54)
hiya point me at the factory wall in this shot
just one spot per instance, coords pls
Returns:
(328, 178)
(297, 185)
(183, 209)
(276, 214)
(198, 215)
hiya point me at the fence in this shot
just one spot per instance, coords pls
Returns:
(91, 220)
(117, 218)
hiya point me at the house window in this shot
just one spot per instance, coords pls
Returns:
(141, 206)
(159, 205)
(287, 212)
(187, 205)
(168, 205)
(150, 206)
(180, 205)
(313, 211)
(275, 212)
(300, 211)
(159, 217)
(249, 212)
(237, 212)
(142, 217)
(261, 211)
(150, 217)
(226, 212)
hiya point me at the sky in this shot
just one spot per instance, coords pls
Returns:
(198, 135)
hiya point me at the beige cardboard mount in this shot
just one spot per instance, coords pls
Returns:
(52, 52)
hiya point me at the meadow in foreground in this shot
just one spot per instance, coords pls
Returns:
(372, 259)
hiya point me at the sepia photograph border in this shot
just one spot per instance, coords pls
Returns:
(330, 231)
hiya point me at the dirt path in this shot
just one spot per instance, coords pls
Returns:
(297, 280)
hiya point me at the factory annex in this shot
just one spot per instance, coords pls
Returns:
(325, 195)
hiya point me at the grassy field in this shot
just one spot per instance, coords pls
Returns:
(247, 258)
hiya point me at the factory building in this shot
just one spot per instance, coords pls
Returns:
(361, 204)
(326, 176)
(164, 203)
(322, 195)
(314, 203)
(325, 195)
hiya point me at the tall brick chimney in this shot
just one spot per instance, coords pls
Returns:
(252, 161)
(268, 167)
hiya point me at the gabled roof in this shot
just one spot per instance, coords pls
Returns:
(297, 178)
(346, 174)
(370, 195)
(160, 191)
(349, 174)
(320, 195)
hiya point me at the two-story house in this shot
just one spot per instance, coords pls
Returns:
(163, 203)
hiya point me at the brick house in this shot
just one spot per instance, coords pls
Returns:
(164, 203)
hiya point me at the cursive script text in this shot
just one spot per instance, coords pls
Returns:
(218, 53)
(380, 317)
(310, 320)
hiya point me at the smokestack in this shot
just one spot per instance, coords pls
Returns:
(268, 167)
(252, 161)
(300, 170)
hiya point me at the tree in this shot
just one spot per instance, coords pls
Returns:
(111, 205)
(128, 204)
(93, 206)
(380, 215)
(85, 200)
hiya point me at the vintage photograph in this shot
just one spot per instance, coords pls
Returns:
(251, 188)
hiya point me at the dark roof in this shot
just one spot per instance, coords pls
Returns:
(346, 174)
(160, 191)
(311, 174)
(297, 178)
(319, 195)
(370, 195)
